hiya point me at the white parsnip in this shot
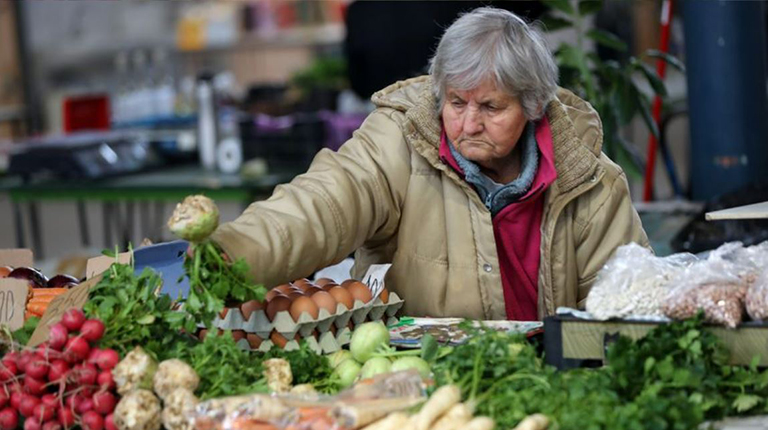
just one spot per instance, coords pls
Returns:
(442, 400)
(480, 423)
(455, 418)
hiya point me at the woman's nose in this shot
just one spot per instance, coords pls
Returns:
(473, 122)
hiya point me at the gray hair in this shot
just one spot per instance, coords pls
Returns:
(494, 43)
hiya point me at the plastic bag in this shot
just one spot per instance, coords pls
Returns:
(757, 280)
(717, 285)
(366, 402)
(634, 283)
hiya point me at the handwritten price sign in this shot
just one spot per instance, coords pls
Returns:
(13, 300)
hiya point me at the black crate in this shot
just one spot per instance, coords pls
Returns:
(288, 142)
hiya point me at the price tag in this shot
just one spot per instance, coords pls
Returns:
(13, 301)
(374, 278)
(74, 298)
(16, 257)
(100, 264)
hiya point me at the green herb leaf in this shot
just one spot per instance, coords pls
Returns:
(745, 402)
(607, 39)
(587, 7)
(670, 59)
(561, 5)
(429, 348)
(554, 23)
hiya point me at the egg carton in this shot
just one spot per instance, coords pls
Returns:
(291, 345)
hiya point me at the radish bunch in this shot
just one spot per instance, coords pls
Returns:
(64, 382)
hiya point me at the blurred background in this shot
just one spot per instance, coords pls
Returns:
(111, 112)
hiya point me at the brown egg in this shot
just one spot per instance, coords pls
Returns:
(359, 291)
(328, 286)
(324, 300)
(253, 340)
(384, 296)
(202, 334)
(223, 313)
(5, 270)
(250, 307)
(301, 305)
(278, 304)
(342, 296)
(322, 281)
(284, 288)
(305, 286)
(312, 290)
(346, 283)
(271, 294)
(300, 282)
(238, 334)
(295, 295)
(278, 339)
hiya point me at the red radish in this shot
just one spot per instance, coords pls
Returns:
(73, 401)
(57, 336)
(92, 421)
(43, 412)
(9, 419)
(86, 375)
(16, 398)
(52, 425)
(7, 371)
(11, 357)
(77, 349)
(73, 319)
(105, 380)
(32, 425)
(4, 397)
(66, 417)
(85, 405)
(104, 402)
(24, 359)
(57, 370)
(37, 368)
(109, 423)
(107, 359)
(28, 404)
(33, 386)
(92, 330)
(95, 352)
(50, 400)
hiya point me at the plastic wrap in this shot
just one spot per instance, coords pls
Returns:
(717, 285)
(634, 283)
(757, 281)
(356, 407)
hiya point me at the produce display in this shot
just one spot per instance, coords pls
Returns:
(134, 358)
(42, 290)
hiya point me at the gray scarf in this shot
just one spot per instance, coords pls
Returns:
(497, 196)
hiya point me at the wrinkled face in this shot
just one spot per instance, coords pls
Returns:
(484, 124)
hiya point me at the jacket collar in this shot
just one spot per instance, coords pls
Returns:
(575, 158)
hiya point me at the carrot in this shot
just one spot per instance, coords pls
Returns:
(442, 400)
(39, 292)
(38, 308)
(28, 315)
(44, 299)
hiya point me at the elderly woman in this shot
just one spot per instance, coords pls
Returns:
(483, 184)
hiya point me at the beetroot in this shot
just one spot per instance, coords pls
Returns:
(62, 281)
(92, 330)
(9, 419)
(92, 421)
(107, 359)
(104, 402)
(73, 319)
(76, 350)
(58, 336)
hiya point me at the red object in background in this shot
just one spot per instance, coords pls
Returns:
(89, 112)
(661, 66)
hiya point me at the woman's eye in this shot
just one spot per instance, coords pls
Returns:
(457, 103)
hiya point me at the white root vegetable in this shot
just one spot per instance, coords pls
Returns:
(135, 371)
(533, 422)
(365, 412)
(480, 423)
(442, 400)
(455, 418)
(303, 389)
(278, 374)
(138, 410)
(393, 421)
(172, 374)
(179, 405)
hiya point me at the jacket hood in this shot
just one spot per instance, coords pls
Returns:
(577, 132)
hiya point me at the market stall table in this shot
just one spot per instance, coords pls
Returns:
(150, 190)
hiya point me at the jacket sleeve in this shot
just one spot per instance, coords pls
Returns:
(611, 222)
(345, 199)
